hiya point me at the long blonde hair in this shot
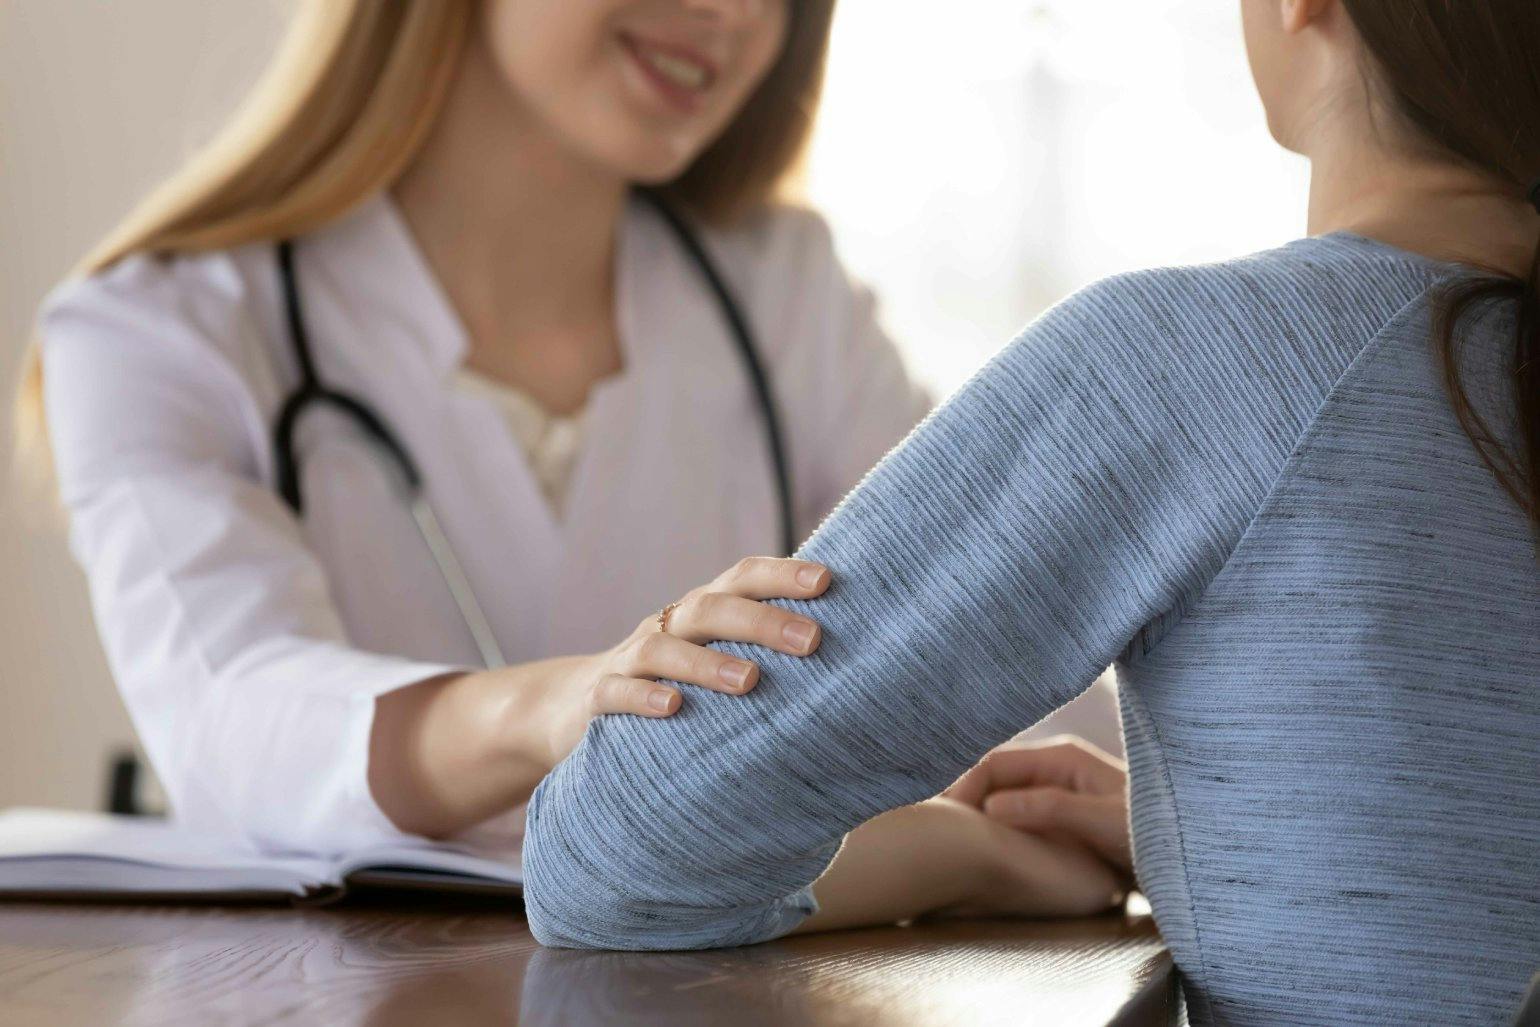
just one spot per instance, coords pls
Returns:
(344, 108)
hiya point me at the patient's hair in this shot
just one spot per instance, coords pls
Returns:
(1465, 76)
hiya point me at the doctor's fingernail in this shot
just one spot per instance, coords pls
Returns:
(799, 633)
(660, 699)
(735, 673)
(808, 577)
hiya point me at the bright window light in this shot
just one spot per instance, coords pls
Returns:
(981, 159)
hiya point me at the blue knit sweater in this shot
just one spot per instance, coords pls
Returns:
(1244, 486)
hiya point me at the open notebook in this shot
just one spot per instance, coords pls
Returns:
(67, 854)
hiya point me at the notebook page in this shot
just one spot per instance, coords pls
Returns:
(68, 850)
(429, 858)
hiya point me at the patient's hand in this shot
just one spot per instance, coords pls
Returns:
(1060, 788)
(945, 858)
(1035, 829)
(1032, 875)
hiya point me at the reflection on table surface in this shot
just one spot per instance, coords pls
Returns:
(423, 961)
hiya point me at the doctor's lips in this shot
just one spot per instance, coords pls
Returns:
(682, 75)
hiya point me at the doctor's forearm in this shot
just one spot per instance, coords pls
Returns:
(448, 753)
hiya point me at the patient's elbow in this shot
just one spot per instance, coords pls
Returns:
(560, 921)
(599, 878)
(631, 926)
(603, 918)
(594, 912)
(573, 902)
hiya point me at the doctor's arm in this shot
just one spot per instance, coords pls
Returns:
(450, 752)
(984, 574)
(215, 617)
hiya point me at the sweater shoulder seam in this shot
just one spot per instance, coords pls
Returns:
(1371, 346)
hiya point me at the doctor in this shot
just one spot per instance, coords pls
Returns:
(401, 433)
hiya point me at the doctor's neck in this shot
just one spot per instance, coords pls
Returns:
(519, 228)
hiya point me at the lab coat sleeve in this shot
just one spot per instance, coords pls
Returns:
(230, 657)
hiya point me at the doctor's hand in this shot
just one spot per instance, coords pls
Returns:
(448, 753)
(730, 607)
(1060, 787)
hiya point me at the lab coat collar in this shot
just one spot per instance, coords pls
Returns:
(386, 269)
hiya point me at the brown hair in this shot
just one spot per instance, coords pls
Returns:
(748, 163)
(1466, 75)
(347, 103)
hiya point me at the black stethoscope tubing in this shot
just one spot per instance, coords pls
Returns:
(313, 392)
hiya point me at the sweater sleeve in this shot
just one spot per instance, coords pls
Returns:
(984, 574)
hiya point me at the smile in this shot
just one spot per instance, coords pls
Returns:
(680, 75)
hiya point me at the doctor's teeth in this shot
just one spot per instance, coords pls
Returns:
(683, 73)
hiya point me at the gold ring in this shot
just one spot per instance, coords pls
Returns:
(663, 616)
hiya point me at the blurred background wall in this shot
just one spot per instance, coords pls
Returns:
(979, 159)
(98, 100)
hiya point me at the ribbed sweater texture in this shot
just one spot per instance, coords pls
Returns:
(1243, 485)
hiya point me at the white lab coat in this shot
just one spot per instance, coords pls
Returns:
(250, 646)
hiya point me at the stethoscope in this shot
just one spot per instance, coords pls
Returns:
(312, 392)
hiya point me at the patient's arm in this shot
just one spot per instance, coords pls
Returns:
(983, 575)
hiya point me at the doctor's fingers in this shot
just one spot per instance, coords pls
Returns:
(711, 616)
(667, 656)
(616, 693)
(770, 577)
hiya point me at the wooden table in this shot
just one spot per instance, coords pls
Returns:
(412, 963)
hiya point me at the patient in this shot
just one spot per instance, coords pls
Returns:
(1293, 497)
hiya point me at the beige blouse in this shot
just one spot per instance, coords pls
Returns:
(550, 443)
